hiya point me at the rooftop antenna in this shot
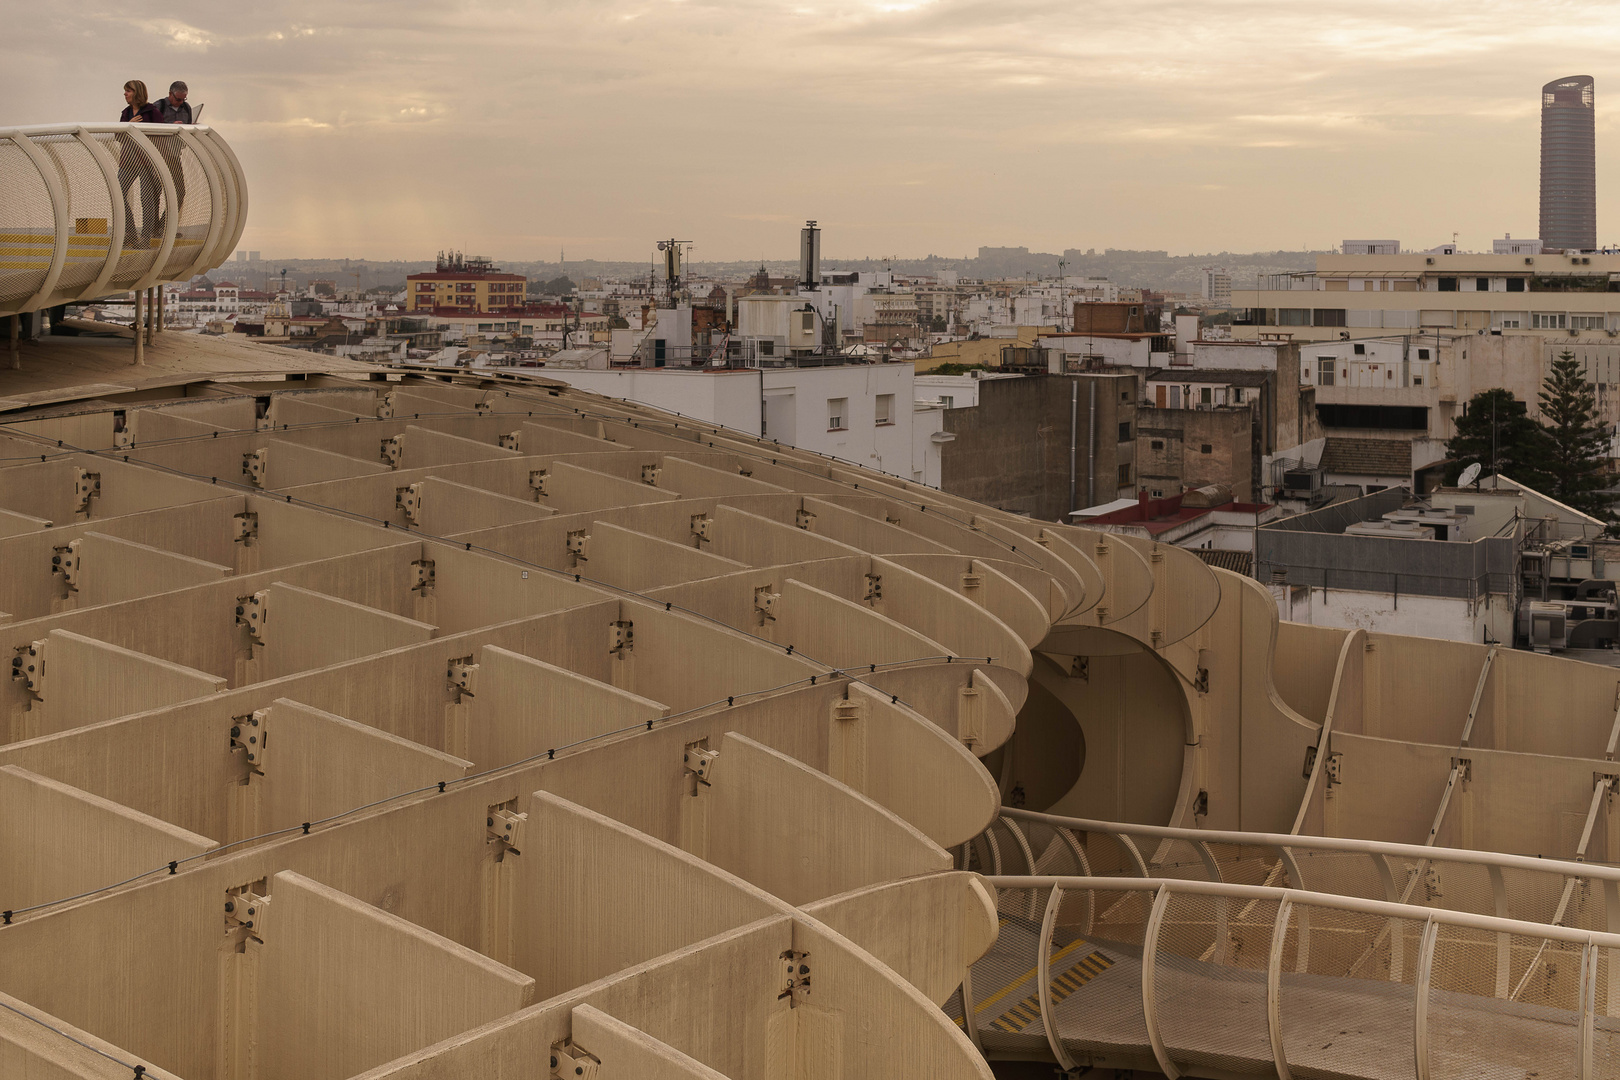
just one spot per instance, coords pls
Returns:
(672, 264)
(809, 256)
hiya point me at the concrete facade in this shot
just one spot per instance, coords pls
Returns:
(1013, 449)
(1179, 449)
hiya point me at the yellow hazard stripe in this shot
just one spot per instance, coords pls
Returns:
(1030, 974)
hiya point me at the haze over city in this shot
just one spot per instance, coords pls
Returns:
(907, 127)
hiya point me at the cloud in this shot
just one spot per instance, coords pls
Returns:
(388, 129)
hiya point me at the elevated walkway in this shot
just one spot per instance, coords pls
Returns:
(1214, 980)
(92, 210)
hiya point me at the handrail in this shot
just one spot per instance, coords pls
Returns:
(1431, 921)
(1347, 845)
(84, 175)
(1383, 909)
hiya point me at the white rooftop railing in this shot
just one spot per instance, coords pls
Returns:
(93, 210)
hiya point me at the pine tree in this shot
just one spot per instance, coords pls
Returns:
(1497, 432)
(1577, 440)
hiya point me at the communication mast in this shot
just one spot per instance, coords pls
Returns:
(673, 255)
(810, 256)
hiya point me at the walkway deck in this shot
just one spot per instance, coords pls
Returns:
(101, 361)
(1212, 1018)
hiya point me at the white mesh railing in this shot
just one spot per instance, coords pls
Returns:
(1562, 892)
(91, 210)
(1206, 978)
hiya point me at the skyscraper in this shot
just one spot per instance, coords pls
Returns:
(1568, 164)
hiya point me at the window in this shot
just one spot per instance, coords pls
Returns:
(1237, 395)
(1157, 444)
(1206, 449)
(1417, 380)
(885, 408)
(1125, 431)
(1547, 321)
(1423, 354)
(767, 348)
(1482, 284)
(1515, 284)
(837, 413)
(1324, 370)
(1514, 321)
(1586, 322)
(1361, 350)
(1293, 316)
(1206, 396)
(1156, 494)
(1327, 317)
(1448, 284)
(1125, 475)
(947, 400)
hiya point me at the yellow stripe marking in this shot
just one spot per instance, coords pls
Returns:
(1030, 974)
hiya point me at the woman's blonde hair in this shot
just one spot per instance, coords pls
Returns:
(139, 89)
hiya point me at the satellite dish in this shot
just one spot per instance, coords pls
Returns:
(1469, 475)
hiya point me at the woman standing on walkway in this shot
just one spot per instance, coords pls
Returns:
(134, 165)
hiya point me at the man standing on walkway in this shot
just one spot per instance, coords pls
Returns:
(174, 110)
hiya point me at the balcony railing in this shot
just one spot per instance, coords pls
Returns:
(92, 210)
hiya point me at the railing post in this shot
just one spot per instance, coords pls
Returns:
(1589, 966)
(969, 1010)
(1611, 912)
(216, 219)
(1213, 869)
(1029, 855)
(172, 226)
(240, 208)
(115, 202)
(1085, 871)
(218, 246)
(51, 177)
(1425, 971)
(1504, 942)
(1043, 979)
(1135, 853)
(1150, 1007)
(1279, 938)
(136, 326)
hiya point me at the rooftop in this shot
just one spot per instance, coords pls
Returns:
(1367, 457)
(1159, 516)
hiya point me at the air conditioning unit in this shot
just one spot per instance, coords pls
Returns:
(1302, 483)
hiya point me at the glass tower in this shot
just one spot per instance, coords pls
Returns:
(1568, 164)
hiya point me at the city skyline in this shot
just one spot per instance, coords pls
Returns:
(906, 128)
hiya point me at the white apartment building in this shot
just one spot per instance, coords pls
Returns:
(1370, 247)
(1217, 286)
(1509, 246)
(862, 413)
(1568, 295)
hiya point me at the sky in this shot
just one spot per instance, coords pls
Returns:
(525, 130)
